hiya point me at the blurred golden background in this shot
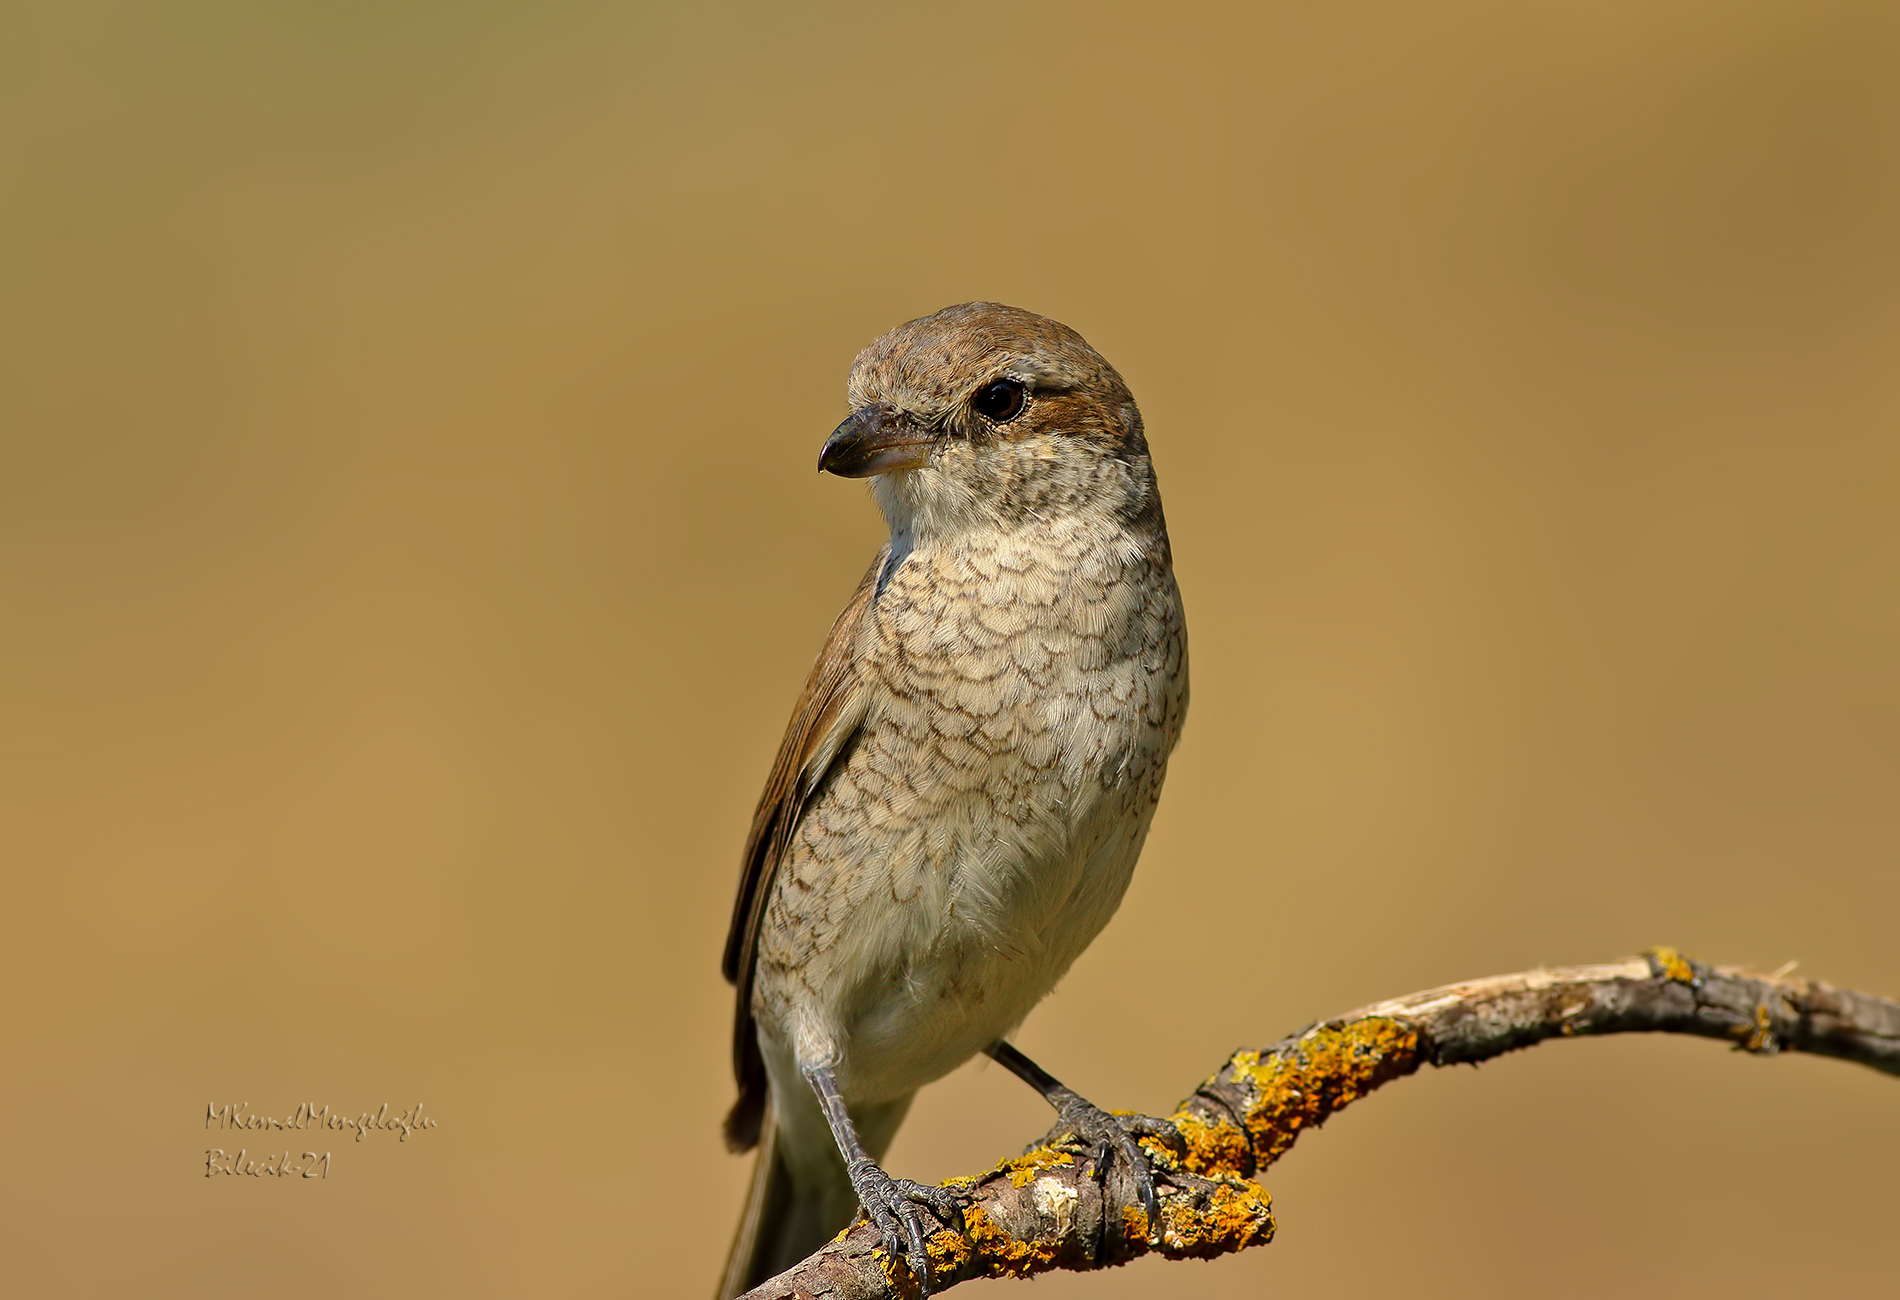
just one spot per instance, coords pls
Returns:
(410, 550)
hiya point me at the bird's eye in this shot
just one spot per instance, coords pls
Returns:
(1000, 401)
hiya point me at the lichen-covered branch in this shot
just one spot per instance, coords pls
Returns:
(1052, 1208)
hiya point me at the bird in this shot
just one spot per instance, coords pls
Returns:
(968, 776)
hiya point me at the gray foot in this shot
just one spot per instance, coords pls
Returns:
(892, 1202)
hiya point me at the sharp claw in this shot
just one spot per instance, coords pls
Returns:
(887, 1229)
(919, 1257)
(1144, 1182)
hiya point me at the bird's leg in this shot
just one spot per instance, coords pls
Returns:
(1089, 1124)
(888, 1202)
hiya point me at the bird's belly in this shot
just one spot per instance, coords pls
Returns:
(1007, 928)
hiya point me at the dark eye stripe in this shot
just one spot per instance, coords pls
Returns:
(1000, 400)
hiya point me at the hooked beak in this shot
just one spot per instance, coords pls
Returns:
(876, 440)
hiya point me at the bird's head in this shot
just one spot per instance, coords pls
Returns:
(986, 416)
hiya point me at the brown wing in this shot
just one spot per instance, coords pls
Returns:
(827, 715)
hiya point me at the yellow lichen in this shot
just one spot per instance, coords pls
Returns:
(1134, 1223)
(1236, 1214)
(1002, 1255)
(1328, 1068)
(1672, 965)
(1211, 1145)
(1031, 1165)
(948, 1252)
(1760, 1036)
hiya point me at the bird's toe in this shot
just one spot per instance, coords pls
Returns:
(892, 1205)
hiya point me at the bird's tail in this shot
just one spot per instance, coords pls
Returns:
(778, 1228)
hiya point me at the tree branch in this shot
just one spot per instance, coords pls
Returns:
(1051, 1208)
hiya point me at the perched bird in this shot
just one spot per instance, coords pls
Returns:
(958, 803)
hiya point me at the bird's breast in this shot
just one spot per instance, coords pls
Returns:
(1012, 624)
(1026, 680)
